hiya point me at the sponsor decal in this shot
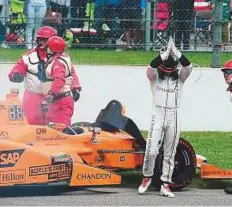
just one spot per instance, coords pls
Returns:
(122, 158)
(56, 138)
(152, 126)
(9, 158)
(4, 135)
(63, 158)
(147, 155)
(61, 174)
(149, 144)
(13, 176)
(176, 89)
(53, 171)
(116, 151)
(42, 170)
(41, 131)
(221, 173)
(95, 176)
(99, 159)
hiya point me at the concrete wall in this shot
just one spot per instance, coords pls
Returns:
(205, 103)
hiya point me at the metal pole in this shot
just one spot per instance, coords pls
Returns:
(217, 33)
(148, 26)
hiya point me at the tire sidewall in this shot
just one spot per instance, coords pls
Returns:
(184, 173)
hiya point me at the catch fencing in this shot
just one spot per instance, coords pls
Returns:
(196, 25)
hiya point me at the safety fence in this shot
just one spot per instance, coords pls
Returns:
(116, 24)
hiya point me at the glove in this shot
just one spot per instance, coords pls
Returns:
(49, 98)
(165, 54)
(175, 52)
(76, 94)
(17, 78)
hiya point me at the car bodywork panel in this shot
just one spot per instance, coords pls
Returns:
(34, 154)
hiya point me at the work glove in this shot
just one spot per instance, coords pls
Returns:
(76, 94)
(49, 98)
(175, 52)
(17, 78)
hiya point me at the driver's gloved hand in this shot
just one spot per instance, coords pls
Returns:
(76, 94)
(17, 78)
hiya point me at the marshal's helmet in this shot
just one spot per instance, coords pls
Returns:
(43, 34)
(227, 68)
(56, 44)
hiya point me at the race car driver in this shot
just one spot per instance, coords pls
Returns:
(166, 81)
(58, 102)
(31, 66)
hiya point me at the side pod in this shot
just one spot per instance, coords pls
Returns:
(85, 175)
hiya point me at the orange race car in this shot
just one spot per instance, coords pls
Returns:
(86, 154)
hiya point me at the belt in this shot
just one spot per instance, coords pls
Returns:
(62, 95)
(164, 107)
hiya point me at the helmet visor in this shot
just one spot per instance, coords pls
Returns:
(227, 71)
(42, 42)
(167, 69)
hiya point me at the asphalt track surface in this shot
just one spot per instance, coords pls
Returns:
(111, 196)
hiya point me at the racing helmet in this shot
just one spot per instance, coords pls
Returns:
(56, 44)
(43, 34)
(227, 68)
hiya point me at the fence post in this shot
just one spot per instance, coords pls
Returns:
(148, 26)
(217, 33)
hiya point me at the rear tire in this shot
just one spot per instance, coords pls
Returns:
(184, 170)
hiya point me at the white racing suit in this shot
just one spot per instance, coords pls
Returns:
(165, 121)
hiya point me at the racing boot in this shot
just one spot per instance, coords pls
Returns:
(145, 184)
(165, 191)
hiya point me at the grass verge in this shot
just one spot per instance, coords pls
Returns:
(215, 146)
(111, 57)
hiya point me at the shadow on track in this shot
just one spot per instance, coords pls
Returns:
(35, 191)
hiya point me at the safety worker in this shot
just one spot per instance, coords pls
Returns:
(166, 81)
(227, 72)
(30, 66)
(58, 102)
